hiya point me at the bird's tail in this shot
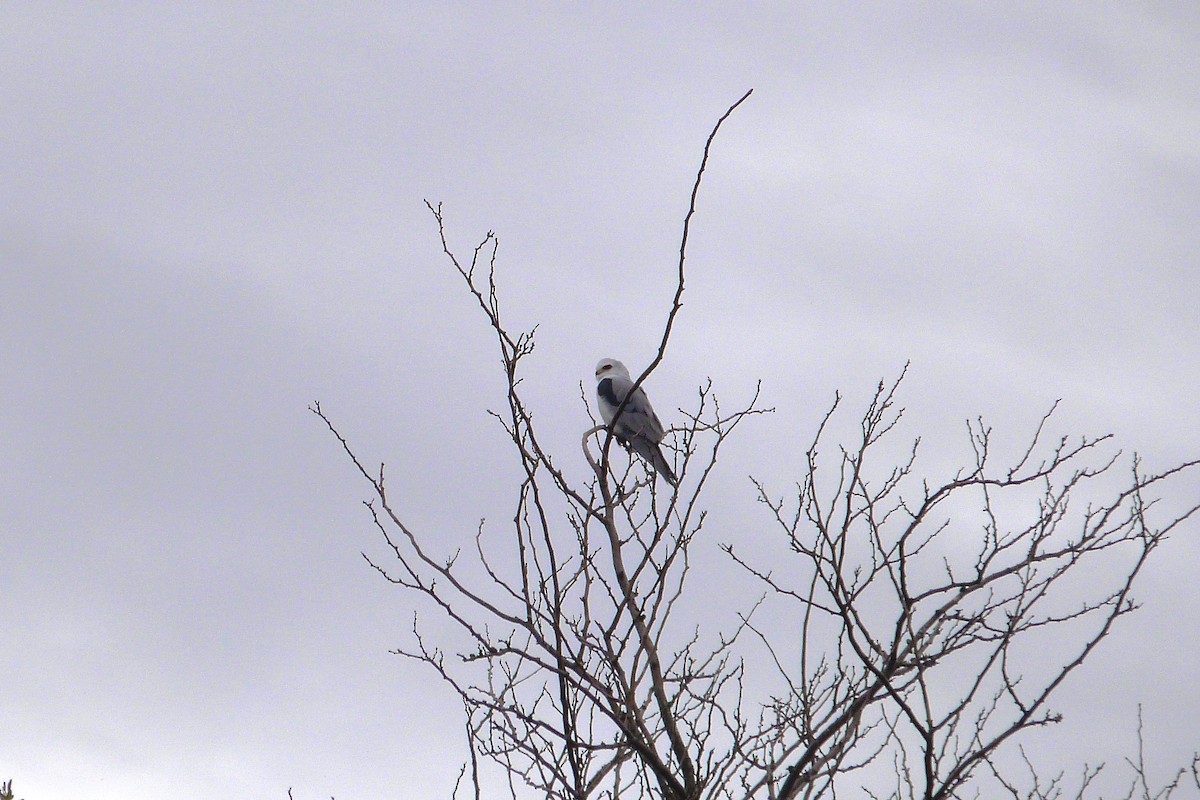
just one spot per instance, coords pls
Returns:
(664, 469)
(653, 453)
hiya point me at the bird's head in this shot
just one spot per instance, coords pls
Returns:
(609, 367)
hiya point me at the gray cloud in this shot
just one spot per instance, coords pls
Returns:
(212, 217)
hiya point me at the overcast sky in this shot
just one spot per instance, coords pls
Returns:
(212, 216)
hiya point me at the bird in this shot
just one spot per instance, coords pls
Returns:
(638, 427)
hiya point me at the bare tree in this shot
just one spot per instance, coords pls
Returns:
(912, 657)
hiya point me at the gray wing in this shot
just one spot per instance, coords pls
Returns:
(638, 420)
(638, 426)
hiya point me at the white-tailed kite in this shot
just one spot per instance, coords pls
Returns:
(638, 426)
